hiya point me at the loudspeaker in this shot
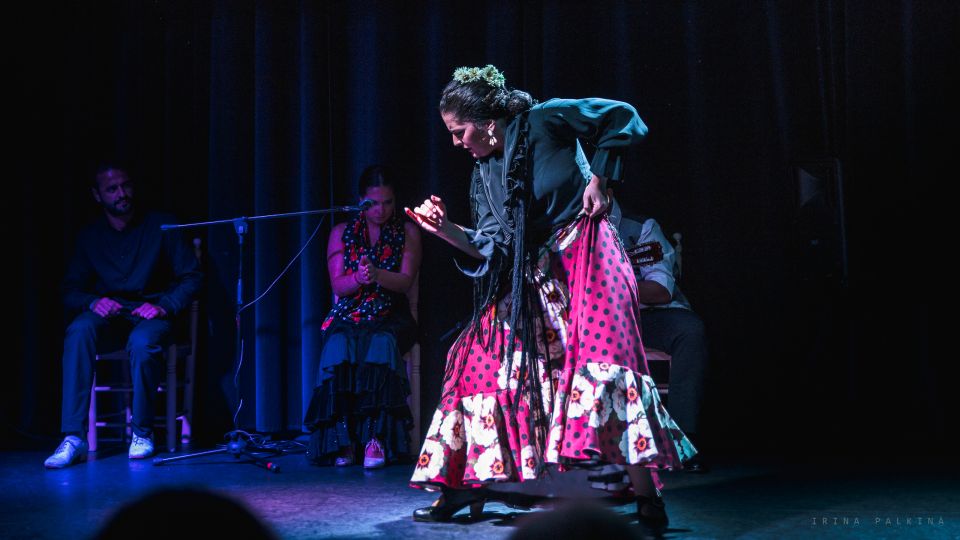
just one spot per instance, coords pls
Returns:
(819, 226)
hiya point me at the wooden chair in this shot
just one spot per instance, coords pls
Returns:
(657, 359)
(413, 365)
(184, 347)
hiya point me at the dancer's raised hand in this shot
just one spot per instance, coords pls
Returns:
(431, 216)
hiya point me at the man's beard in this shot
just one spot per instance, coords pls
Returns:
(113, 210)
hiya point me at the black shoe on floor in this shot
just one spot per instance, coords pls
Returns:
(652, 512)
(515, 500)
(696, 465)
(451, 502)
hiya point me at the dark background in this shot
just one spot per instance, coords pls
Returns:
(233, 108)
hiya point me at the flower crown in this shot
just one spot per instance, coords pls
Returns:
(487, 74)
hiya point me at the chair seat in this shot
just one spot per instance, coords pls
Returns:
(659, 361)
(121, 354)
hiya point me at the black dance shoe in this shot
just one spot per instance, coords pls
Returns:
(652, 512)
(514, 499)
(452, 501)
(696, 465)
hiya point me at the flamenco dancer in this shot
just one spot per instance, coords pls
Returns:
(551, 368)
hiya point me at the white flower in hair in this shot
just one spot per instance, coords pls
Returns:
(489, 74)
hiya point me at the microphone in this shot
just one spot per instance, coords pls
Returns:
(365, 204)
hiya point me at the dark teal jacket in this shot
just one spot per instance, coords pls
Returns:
(558, 131)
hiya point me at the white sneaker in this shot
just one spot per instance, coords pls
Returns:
(71, 451)
(141, 447)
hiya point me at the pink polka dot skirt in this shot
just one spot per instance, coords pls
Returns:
(596, 390)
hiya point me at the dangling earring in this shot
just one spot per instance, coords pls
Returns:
(492, 140)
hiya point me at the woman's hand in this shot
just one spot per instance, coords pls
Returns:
(596, 197)
(432, 216)
(366, 272)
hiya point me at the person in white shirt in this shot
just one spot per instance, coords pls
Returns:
(668, 322)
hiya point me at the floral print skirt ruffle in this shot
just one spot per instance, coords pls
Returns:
(596, 390)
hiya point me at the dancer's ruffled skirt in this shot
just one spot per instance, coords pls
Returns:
(596, 390)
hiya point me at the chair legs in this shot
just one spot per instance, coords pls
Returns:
(187, 418)
(92, 417)
(171, 416)
(170, 406)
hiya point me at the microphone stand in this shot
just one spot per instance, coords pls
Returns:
(240, 443)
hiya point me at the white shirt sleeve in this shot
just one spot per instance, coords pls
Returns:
(662, 271)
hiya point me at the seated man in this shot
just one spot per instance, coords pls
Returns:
(127, 279)
(668, 323)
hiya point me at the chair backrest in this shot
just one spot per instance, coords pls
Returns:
(678, 249)
(413, 297)
(413, 362)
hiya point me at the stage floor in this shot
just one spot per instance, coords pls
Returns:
(737, 499)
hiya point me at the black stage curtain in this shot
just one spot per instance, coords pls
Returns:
(769, 121)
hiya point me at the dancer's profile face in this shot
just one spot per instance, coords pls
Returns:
(383, 204)
(468, 136)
